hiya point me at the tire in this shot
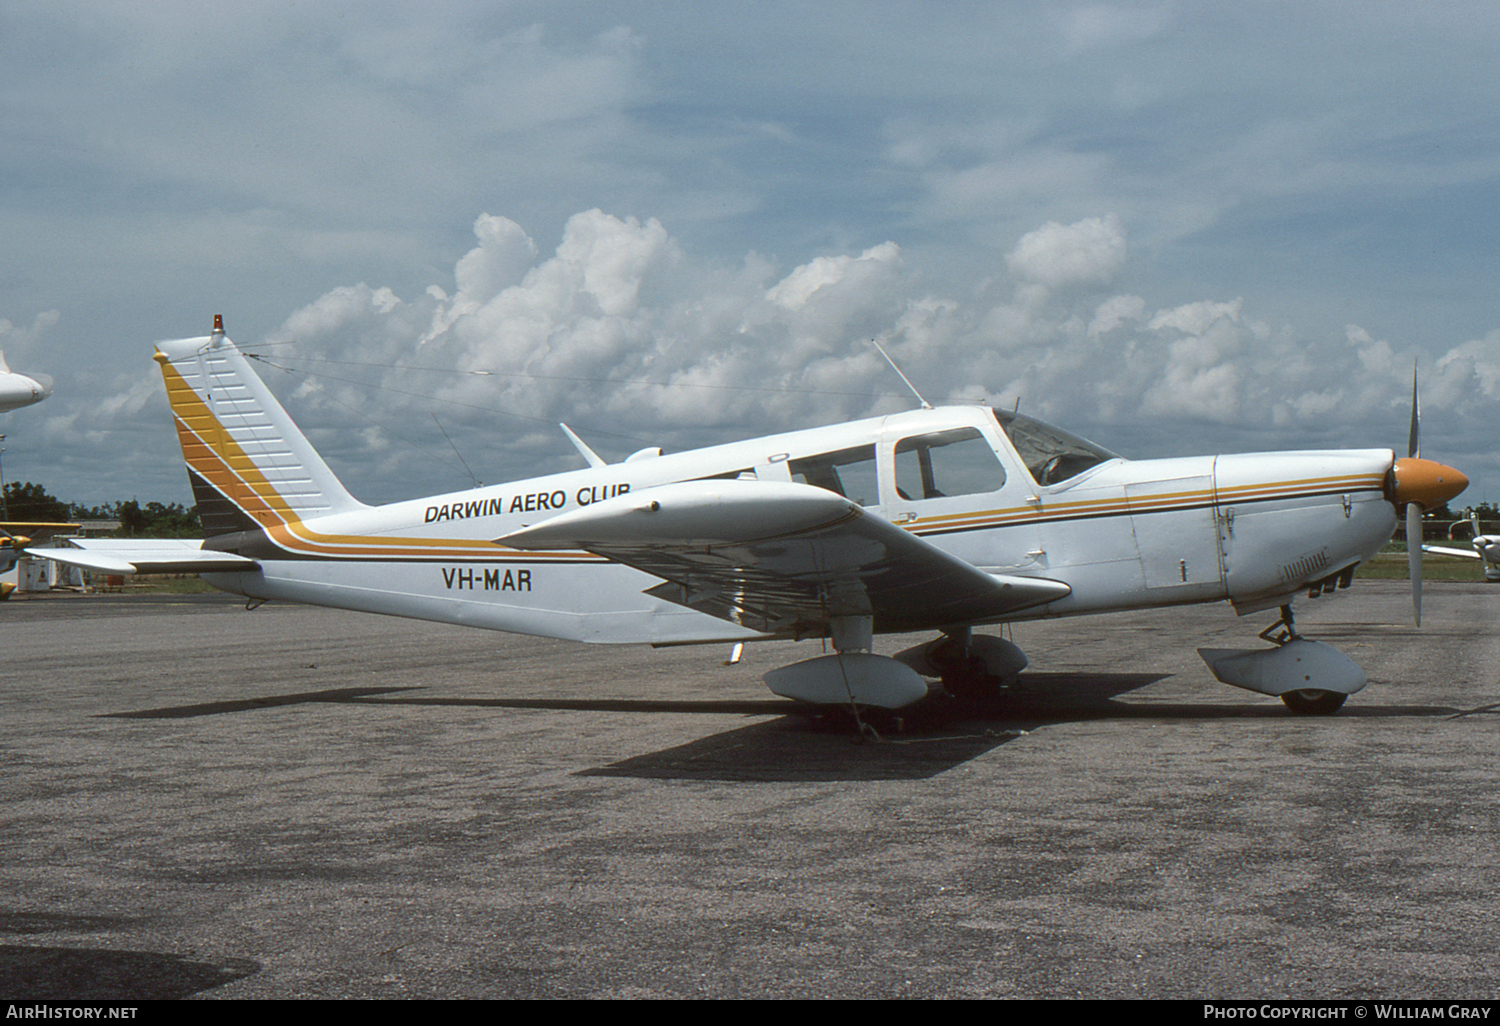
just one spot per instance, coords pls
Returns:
(1313, 701)
(972, 684)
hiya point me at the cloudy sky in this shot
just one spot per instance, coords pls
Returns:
(1173, 226)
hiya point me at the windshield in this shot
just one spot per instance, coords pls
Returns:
(1050, 454)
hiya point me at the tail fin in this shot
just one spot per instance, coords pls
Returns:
(249, 465)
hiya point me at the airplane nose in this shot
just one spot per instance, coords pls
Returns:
(1413, 479)
(44, 381)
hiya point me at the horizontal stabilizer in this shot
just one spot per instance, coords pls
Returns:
(146, 556)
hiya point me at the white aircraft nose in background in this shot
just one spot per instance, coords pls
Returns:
(17, 390)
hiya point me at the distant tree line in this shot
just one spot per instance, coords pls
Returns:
(25, 501)
(1444, 514)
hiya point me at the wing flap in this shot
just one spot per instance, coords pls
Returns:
(146, 556)
(780, 557)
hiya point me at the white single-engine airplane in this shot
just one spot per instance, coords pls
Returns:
(1486, 547)
(937, 520)
(17, 390)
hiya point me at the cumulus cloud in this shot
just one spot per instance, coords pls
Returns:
(1115, 311)
(168, 156)
(1202, 377)
(1478, 360)
(793, 291)
(24, 343)
(634, 342)
(1087, 252)
(1197, 318)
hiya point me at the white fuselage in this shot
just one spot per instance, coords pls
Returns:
(1253, 529)
(18, 390)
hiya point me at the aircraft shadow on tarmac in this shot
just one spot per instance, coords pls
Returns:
(1055, 690)
(934, 740)
(70, 974)
(74, 974)
(793, 745)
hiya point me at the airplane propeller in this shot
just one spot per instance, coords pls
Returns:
(1413, 509)
(1415, 484)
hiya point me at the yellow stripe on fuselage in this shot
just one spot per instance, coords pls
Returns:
(1161, 502)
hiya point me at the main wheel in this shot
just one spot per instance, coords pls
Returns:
(1313, 701)
(970, 683)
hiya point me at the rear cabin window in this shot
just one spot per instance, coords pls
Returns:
(944, 463)
(850, 472)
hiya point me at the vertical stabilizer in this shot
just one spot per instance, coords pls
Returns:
(249, 465)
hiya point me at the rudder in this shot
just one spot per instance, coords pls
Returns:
(249, 464)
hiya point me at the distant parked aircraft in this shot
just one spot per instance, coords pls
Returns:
(17, 390)
(1486, 547)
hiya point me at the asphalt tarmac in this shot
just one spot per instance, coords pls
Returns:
(200, 801)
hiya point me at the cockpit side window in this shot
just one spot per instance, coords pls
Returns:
(1051, 454)
(849, 472)
(944, 463)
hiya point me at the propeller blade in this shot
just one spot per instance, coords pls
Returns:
(1414, 556)
(1413, 439)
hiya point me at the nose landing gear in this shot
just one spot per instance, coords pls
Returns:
(1310, 678)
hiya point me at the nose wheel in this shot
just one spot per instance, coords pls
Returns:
(1313, 701)
(1289, 669)
(1302, 701)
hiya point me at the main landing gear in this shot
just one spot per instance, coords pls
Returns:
(855, 683)
(1310, 678)
(972, 667)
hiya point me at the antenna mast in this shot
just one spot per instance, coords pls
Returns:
(925, 404)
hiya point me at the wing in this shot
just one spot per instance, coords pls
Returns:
(146, 556)
(783, 558)
(1468, 553)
